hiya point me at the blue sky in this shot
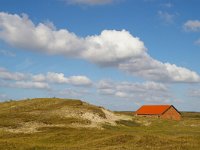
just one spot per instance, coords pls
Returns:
(120, 54)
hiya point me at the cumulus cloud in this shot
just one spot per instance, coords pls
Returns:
(25, 84)
(15, 29)
(126, 86)
(80, 80)
(60, 78)
(147, 91)
(192, 25)
(90, 2)
(30, 85)
(152, 69)
(39, 77)
(56, 77)
(5, 74)
(111, 48)
(35, 80)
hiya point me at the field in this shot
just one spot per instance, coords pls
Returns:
(59, 124)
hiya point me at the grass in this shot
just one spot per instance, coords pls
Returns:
(127, 123)
(136, 134)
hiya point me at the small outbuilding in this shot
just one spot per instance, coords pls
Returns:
(159, 111)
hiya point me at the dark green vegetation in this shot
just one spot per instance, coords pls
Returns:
(19, 121)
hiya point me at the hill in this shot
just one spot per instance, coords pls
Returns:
(62, 124)
(28, 115)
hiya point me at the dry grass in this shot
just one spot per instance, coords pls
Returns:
(57, 132)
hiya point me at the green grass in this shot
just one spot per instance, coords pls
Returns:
(127, 135)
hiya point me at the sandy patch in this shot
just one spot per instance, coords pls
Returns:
(29, 127)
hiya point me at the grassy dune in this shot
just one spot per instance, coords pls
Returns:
(40, 124)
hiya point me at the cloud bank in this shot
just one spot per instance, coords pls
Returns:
(152, 92)
(139, 92)
(151, 69)
(5, 74)
(111, 48)
(59, 78)
(40, 81)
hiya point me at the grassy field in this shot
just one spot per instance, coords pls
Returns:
(37, 125)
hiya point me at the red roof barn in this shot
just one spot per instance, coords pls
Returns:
(159, 111)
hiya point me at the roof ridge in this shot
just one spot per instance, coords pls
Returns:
(158, 105)
(153, 109)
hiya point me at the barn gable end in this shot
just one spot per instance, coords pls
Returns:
(171, 113)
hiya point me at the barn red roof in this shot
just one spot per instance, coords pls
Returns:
(152, 109)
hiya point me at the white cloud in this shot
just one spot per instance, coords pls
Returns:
(39, 77)
(138, 92)
(50, 77)
(15, 30)
(30, 85)
(111, 48)
(56, 77)
(121, 94)
(166, 17)
(60, 78)
(90, 2)
(80, 80)
(25, 84)
(21, 80)
(74, 80)
(152, 69)
(192, 25)
(5, 74)
(106, 84)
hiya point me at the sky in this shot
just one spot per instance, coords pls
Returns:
(119, 54)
